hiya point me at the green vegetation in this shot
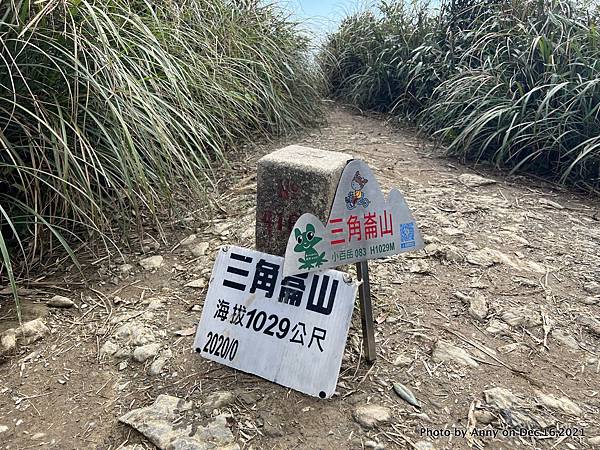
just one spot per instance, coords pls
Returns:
(110, 107)
(512, 82)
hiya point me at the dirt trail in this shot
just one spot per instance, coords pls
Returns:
(496, 322)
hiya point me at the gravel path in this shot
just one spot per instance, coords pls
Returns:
(494, 327)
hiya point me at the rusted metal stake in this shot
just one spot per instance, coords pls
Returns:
(366, 311)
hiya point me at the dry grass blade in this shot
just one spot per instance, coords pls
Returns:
(110, 110)
(514, 83)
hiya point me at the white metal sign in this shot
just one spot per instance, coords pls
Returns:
(362, 226)
(289, 330)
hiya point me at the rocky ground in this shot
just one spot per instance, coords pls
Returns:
(488, 338)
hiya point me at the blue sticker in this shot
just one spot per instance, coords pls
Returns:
(407, 235)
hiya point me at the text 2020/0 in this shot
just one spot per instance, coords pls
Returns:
(221, 346)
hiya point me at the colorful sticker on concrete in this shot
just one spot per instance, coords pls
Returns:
(362, 225)
(306, 240)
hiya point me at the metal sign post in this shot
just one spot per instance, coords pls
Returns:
(366, 311)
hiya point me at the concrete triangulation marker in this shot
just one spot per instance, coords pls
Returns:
(290, 182)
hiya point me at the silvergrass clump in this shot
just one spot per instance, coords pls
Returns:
(110, 108)
(515, 83)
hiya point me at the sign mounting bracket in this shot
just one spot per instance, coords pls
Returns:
(366, 311)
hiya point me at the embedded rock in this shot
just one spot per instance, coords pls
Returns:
(159, 363)
(145, 352)
(218, 400)
(591, 323)
(471, 180)
(524, 316)
(108, 349)
(562, 404)
(565, 339)
(200, 249)
(58, 301)
(200, 283)
(592, 288)
(126, 268)
(134, 334)
(370, 416)
(497, 327)
(186, 242)
(446, 352)
(152, 262)
(512, 409)
(594, 441)
(32, 331)
(166, 424)
(8, 341)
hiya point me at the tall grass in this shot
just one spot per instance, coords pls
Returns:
(108, 108)
(512, 82)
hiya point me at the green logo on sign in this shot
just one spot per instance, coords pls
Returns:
(305, 243)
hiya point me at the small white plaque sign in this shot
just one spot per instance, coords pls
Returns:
(291, 331)
(362, 225)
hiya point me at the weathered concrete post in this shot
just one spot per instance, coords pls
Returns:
(290, 182)
(296, 180)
